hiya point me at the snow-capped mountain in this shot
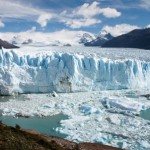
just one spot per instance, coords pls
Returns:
(100, 39)
(86, 38)
(28, 41)
(25, 40)
(59, 38)
(105, 35)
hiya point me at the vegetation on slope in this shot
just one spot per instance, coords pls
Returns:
(20, 139)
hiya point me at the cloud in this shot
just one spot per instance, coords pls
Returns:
(1, 24)
(119, 29)
(33, 29)
(87, 15)
(145, 4)
(77, 23)
(44, 19)
(148, 26)
(73, 20)
(110, 12)
(87, 10)
(94, 9)
(81, 16)
(9, 9)
(18, 10)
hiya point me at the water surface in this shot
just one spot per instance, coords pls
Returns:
(46, 125)
(145, 114)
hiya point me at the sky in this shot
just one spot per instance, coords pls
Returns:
(48, 16)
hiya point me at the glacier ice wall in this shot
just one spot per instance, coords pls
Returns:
(65, 72)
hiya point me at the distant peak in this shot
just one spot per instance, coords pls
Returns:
(103, 33)
(6, 45)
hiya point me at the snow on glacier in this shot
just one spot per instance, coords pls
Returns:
(69, 72)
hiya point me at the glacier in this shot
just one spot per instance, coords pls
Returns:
(100, 90)
(69, 72)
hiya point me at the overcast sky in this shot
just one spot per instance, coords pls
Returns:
(114, 16)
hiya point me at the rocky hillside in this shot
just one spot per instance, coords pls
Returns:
(139, 38)
(7, 45)
(19, 139)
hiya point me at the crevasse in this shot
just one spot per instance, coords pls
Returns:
(64, 72)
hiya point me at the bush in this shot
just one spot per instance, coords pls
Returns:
(17, 127)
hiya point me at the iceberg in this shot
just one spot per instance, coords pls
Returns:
(69, 72)
(124, 105)
(87, 110)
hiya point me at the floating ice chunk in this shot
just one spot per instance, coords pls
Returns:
(89, 110)
(46, 106)
(22, 115)
(144, 145)
(124, 104)
(6, 110)
(13, 112)
(74, 120)
(114, 119)
(54, 94)
(124, 145)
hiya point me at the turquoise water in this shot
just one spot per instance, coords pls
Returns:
(20, 97)
(44, 125)
(145, 114)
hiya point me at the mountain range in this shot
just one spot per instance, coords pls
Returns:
(138, 38)
(49, 40)
(6, 45)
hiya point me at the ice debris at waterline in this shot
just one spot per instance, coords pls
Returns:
(124, 106)
(88, 119)
(69, 72)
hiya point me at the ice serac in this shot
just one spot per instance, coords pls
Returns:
(65, 72)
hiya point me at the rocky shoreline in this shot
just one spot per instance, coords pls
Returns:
(22, 139)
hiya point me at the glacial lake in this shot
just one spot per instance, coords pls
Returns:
(46, 125)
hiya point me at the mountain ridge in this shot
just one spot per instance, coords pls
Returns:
(138, 38)
(6, 44)
(100, 39)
